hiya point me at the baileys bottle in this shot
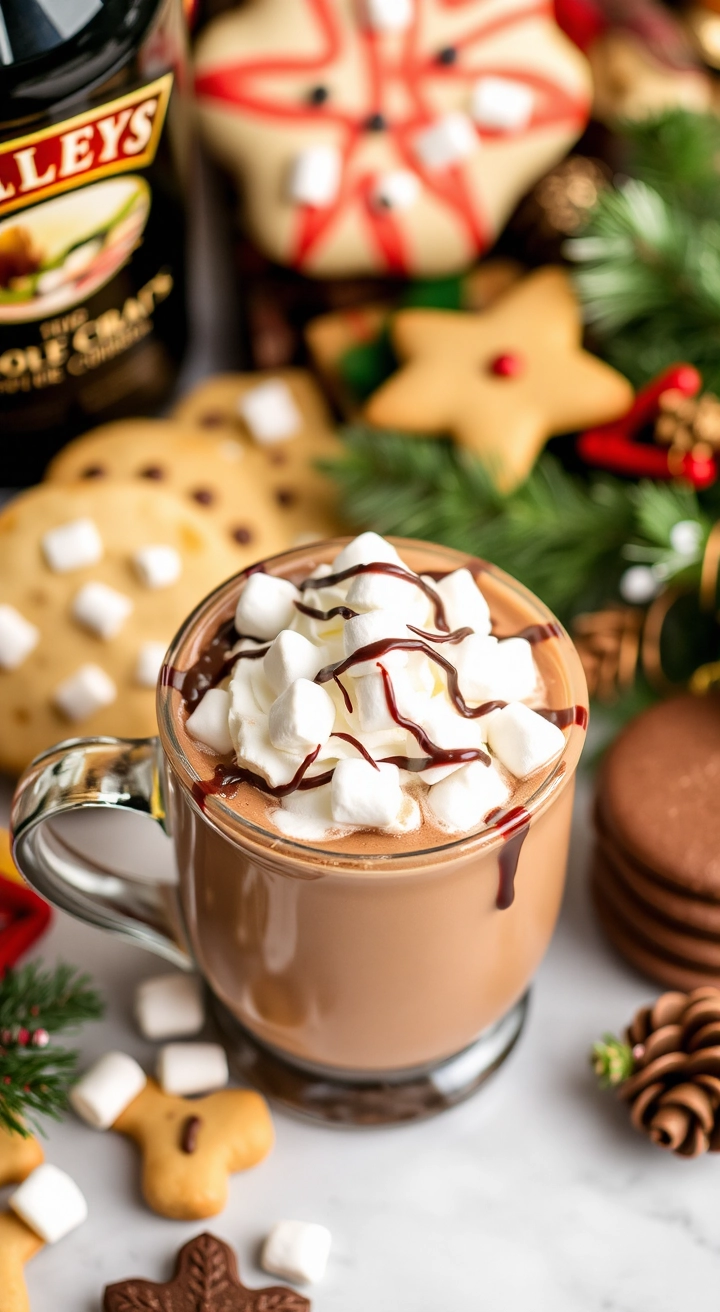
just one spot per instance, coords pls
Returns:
(92, 142)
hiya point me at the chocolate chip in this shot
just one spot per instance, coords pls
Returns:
(447, 55)
(203, 496)
(318, 95)
(376, 123)
(152, 471)
(277, 458)
(189, 1134)
(285, 497)
(93, 471)
(242, 535)
(213, 419)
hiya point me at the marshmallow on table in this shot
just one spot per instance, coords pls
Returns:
(463, 799)
(522, 740)
(270, 412)
(464, 603)
(302, 717)
(84, 692)
(375, 626)
(402, 597)
(389, 15)
(149, 663)
(72, 546)
(315, 176)
(396, 190)
(297, 1251)
(447, 141)
(365, 550)
(363, 794)
(209, 721)
(169, 1005)
(291, 657)
(500, 102)
(106, 1089)
(50, 1203)
(157, 565)
(18, 637)
(265, 606)
(186, 1068)
(101, 609)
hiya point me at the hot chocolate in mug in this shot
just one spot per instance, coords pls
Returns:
(376, 980)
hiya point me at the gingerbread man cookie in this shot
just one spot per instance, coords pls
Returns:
(18, 1243)
(501, 382)
(18, 1157)
(208, 471)
(391, 136)
(284, 426)
(95, 579)
(191, 1146)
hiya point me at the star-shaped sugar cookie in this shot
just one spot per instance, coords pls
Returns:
(501, 382)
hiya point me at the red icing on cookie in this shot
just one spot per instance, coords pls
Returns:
(404, 65)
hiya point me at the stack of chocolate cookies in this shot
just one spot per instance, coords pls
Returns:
(656, 869)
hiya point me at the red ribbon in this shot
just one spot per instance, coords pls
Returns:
(23, 918)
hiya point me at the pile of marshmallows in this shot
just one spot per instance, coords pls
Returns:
(96, 607)
(271, 715)
(51, 1203)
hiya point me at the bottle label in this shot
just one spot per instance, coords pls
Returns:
(111, 139)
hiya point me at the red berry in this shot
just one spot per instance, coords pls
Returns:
(23, 1037)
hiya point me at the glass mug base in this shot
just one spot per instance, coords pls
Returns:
(392, 1098)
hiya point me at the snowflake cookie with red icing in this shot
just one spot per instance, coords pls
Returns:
(387, 135)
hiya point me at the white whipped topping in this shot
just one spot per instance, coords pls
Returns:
(288, 719)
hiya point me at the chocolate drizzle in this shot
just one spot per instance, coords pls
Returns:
(316, 614)
(383, 567)
(514, 826)
(435, 755)
(535, 633)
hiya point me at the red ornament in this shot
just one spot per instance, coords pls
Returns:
(582, 20)
(508, 365)
(614, 446)
(23, 918)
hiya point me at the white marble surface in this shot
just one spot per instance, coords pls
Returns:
(534, 1196)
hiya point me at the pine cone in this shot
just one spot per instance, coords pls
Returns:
(674, 1091)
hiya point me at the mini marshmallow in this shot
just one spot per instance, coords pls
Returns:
(365, 550)
(371, 704)
(251, 739)
(84, 692)
(101, 609)
(158, 565)
(447, 141)
(403, 598)
(389, 15)
(365, 795)
(496, 671)
(465, 605)
(315, 176)
(106, 1089)
(396, 190)
(500, 102)
(462, 800)
(186, 1068)
(72, 546)
(297, 1251)
(375, 626)
(149, 663)
(270, 412)
(169, 1005)
(50, 1202)
(209, 721)
(302, 717)
(446, 729)
(18, 637)
(291, 657)
(522, 740)
(266, 605)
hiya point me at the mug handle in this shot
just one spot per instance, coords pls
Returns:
(121, 773)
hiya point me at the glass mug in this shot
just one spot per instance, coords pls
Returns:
(364, 986)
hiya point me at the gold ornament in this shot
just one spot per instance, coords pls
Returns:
(608, 643)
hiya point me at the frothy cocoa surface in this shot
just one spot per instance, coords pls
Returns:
(510, 616)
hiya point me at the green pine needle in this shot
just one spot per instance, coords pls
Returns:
(612, 1060)
(35, 1081)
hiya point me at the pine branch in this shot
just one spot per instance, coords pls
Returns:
(35, 1075)
(677, 154)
